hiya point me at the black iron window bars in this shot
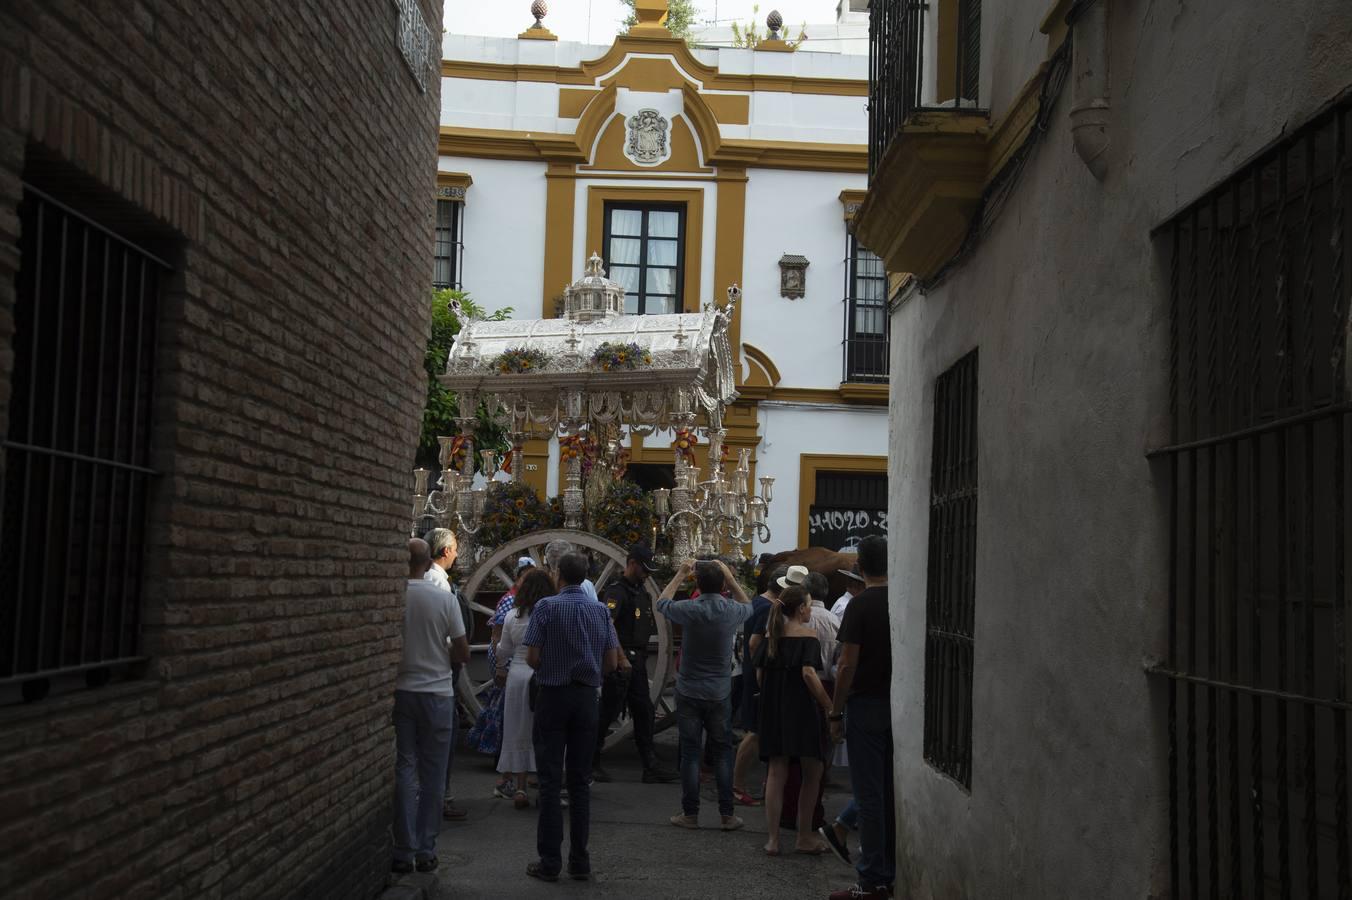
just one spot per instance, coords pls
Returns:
(866, 346)
(73, 495)
(898, 40)
(450, 245)
(1257, 678)
(950, 594)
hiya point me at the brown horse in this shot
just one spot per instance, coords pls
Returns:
(816, 559)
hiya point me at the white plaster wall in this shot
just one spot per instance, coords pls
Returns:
(504, 231)
(1067, 303)
(796, 212)
(507, 105)
(821, 118)
(788, 430)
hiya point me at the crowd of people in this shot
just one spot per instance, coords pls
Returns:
(812, 694)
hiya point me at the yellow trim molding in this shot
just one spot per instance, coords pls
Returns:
(850, 201)
(809, 464)
(729, 245)
(539, 33)
(559, 200)
(869, 393)
(454, 180)
(493, 143)
(693, 201)
(762, 377)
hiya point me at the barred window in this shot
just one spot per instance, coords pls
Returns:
(450, 244)
(77, 449)
(645, 253)
(950, 599)
(1260, 270)
(866, 348)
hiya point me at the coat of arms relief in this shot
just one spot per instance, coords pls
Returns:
(648, 143)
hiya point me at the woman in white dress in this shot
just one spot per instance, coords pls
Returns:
(518, 750)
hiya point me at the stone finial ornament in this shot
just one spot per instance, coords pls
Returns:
(538, 32)
(774, 22)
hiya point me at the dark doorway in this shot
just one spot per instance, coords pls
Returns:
(651, 476)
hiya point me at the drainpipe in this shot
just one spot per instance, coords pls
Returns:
(1089, 108)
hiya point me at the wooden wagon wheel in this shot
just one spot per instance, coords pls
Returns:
(494, 574)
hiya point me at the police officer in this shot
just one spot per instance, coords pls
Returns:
(631, 609)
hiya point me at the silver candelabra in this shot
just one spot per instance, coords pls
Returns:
(700, 516)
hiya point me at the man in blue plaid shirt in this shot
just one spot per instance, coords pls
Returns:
(571, 646)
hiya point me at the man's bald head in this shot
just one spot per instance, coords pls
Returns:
(419, 557)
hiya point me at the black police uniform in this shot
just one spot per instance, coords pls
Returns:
(632, 611)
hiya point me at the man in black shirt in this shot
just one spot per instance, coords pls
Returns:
(861, 714)
(632, 611)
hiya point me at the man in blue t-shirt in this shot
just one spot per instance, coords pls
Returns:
(704, 681)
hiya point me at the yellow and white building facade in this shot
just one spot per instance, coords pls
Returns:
(688, 171)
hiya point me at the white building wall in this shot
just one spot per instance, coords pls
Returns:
(504, 231)
(799, 213)
(789, 430)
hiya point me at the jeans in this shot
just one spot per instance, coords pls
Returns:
(424, 727)
(868, 737)
(565, 730)
(695, 718)
(635, 697)
(849, 816)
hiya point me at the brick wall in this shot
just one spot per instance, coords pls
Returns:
(283, 154)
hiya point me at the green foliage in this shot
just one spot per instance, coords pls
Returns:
(680, 17)
(748, 36)
(441, 409)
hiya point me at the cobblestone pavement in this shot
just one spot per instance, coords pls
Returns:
(636, 852)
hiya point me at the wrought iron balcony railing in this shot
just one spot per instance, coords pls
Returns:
(922, 56)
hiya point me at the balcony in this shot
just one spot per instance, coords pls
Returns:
(928, 134)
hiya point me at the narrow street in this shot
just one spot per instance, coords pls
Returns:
(635, 851)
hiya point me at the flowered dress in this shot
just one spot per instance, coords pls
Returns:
(486, 735)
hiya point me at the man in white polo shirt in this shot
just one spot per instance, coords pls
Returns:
(424, 712)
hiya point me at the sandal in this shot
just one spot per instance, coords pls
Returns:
(520, 800)
(813, 851)
(742, 798)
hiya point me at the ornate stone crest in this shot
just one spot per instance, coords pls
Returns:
(648, 143)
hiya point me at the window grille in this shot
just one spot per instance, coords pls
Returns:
(866, 347)
(899, 33)
(1256, 677)
(950, 597)
(450, 245)
(73, 496)
(645, 253)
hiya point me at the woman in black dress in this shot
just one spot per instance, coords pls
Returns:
(793, 708)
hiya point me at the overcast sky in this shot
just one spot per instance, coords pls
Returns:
(597, 21)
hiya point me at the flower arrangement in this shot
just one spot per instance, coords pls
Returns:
(458, 451)
(556, 516)
(579, 446)
(685, 444)
(624, 515)
(512, 509)
(519, 359)
(612, 355)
